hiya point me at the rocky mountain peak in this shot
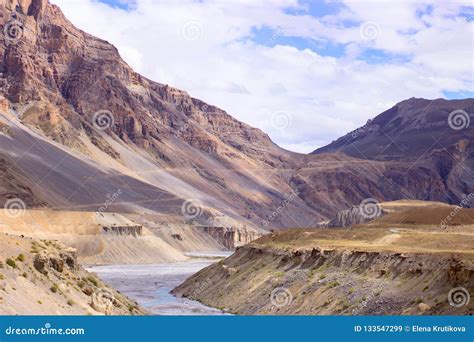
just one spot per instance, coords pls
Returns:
(409, 129)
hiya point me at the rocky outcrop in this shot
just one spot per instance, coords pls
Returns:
(134, 231)
(45, 261)
(230, 238)
(45, 279)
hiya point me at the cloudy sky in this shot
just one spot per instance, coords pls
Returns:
(305, 72)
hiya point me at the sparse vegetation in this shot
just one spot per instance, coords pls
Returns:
(54, 288)
(93, 280)
(10, 262)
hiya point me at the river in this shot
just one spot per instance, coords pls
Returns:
(150, 285)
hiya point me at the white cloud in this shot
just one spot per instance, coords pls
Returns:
(205, 48)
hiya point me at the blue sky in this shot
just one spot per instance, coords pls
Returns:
(122, 4)
(306, 72)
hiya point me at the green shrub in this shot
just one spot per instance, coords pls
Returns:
(93, 280)
(54, 288)
(11, 263)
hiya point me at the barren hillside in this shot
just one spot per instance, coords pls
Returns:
(402, 263)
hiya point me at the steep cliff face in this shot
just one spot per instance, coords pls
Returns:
(79, 93)
(231, 238)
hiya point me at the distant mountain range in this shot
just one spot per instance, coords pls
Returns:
(79, 125)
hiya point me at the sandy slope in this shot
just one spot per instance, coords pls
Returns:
(84, 231)
(43, 277)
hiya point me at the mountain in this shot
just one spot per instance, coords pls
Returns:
(411, 129)
(426, 147)
(91, 125)
(80, 130)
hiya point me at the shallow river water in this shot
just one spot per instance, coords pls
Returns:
(150, 285)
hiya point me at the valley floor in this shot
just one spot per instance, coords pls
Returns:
(150, 285)
(386, 267)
